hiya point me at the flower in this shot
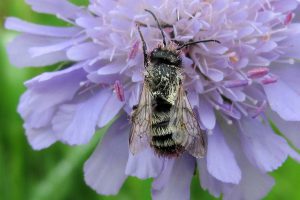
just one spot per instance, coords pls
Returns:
(240, 88)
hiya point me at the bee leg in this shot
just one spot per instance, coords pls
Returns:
(144, 46)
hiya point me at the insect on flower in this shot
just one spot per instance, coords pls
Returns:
(164, 117)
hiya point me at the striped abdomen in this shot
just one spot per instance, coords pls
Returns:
(162, 134)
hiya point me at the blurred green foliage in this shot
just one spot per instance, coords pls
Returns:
(56, 173)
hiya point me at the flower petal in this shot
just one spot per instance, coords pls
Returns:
(111, 68)
(56, 47)
(254, 185)
(206, 114)
(178, 182)
(290, 129)
(221, 162)
(284, 100)
(209, 182)
(76, 123)
(110, 110)
(104, 171)
(83, 51)
(40, 138)
(215, 75)
(45, 92)
(19, 25)
(57, 7)
(289, 74)
(19, 55)
(262, 147)
(144, 165)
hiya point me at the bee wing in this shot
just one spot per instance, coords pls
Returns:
(141, 122)
(188, 132)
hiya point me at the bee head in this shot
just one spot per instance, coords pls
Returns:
(166, 56)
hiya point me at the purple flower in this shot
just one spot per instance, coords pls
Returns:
(237, 88)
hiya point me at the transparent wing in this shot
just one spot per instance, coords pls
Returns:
(188, 132)
(141, 122)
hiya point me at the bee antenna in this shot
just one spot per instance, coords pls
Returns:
(196, 42)
(159, 26)
(144, 45)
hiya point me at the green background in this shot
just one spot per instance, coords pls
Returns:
(56, 173)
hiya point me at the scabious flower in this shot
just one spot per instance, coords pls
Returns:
(239, 89)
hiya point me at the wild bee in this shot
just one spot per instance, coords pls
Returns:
(164, 117)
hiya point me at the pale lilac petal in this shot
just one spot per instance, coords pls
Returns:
(61, 8)
(263, 148)
(76, 123)
(104, 79)
(75, 70)
(19, 25)
(289, 74)
(162, 180)
(290, 129)
(83, 51)
(35, 118)
(265, 16)
(19, 55)
(89, 22)
(259, 61)
(254, 183)
(111, 68)
(206, 114)
(215, 75)
(253, 186)
(104, 171)
(55, 47)
(40, 138)
(208, 182)
(292, 43)
(285, 6)
(46, 91)
(178, 185)
(110, 110)
(221, 162)
(267, 46)
(284, 100)
(144, 165)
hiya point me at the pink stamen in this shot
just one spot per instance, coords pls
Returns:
(269, 80)
(258, 72)
(119, 90)
(134, 50)
(288, 19)
(236, 83)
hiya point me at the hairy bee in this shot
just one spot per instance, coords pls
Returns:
(163, 117)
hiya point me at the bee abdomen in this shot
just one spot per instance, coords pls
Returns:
(162, 140)
(164, 145)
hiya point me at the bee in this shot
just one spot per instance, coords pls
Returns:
(164, 117)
